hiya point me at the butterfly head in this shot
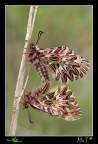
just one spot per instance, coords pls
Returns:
(32, 52)
(33, 49)
(26, 103)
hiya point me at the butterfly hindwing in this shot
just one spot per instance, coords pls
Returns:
(60, 103)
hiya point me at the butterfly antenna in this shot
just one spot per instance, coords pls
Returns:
(30, 116)
(39, 35)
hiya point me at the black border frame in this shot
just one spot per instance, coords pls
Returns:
(27, 139)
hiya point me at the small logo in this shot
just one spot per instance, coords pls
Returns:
(14, 140)
(84, 139)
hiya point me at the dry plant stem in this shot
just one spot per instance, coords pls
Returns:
(26, 80)
(20, 81)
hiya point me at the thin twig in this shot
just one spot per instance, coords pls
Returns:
(20, 81)
(26, 81)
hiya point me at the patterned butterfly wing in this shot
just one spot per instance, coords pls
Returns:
(64, 63)
(60, 103)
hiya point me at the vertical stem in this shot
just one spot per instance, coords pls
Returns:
(20, 81)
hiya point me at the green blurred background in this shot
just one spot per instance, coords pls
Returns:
(63, 25)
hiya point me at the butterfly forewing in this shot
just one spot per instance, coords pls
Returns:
(64, 63)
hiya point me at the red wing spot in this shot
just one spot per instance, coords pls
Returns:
(75, 64)
(60, 95)
(58, 76)
(39, 106)
(76, 72)
(58, 90)
(53, 68)
(46, 52)
(67, 55)
(48, 110)
(64, 115)
(65, 77)
(57, 50)
(50, 51)
(70, 75)
(64, 98)
(73, 57)
(67, 68)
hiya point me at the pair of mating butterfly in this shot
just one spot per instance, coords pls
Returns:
(66, 66)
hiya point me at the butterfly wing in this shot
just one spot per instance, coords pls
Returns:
(64, 63)
(60, 103)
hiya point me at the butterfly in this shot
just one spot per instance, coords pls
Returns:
(66, 66)
(60, 103)
(64, 63)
